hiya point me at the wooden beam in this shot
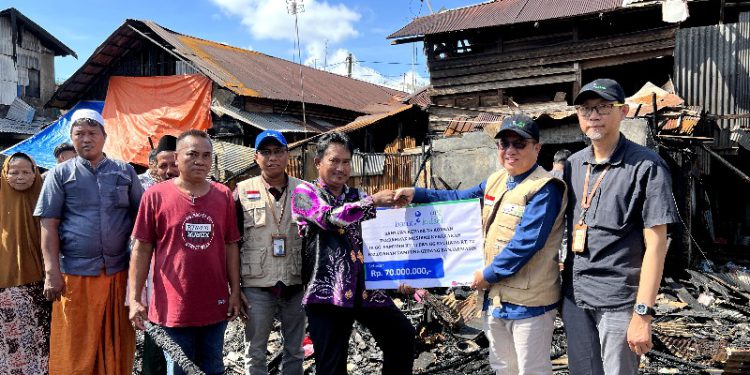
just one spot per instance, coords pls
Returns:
(745, 178)
(638, 38)
(502, 76)
(626, 59)
(559, 78)
(572, 55)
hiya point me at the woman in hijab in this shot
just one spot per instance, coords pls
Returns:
(24, 312)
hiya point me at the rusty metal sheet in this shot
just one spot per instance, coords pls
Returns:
(501, 12)
(244, 72)
(712, 69)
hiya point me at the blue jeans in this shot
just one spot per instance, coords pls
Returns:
(263, 308)
(202, 345)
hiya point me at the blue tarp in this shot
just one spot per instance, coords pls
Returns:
(41, 145)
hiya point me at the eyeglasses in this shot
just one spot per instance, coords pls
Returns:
(603, 109)
(274, 152)
(518, 145)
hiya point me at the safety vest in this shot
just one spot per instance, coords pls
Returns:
(537, 283)
(259, 267)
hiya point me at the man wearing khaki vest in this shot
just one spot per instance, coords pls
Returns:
(271, 251)
(522, 214)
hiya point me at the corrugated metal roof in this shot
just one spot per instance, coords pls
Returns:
(244, 72)
(267, 121)
(20, 111)
(642, 102)
(420, 97)
(502, 12)
(465, 124)
(367, 120)
(370, 164)
(9, 126)
(358, 123)
(682, 125)
(230, 159)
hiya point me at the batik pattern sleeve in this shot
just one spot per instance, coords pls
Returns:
(309, 207)
(531, 234)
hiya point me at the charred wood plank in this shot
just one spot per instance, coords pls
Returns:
(502, 75)
(624, 41)
(559, 78)
(443, 312)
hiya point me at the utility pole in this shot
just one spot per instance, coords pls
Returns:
(293, 7)
(325, 56)
(429, 6)
(349, 65)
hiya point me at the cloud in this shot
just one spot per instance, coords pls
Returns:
(270, 19)
(408, 81)
(320, 23)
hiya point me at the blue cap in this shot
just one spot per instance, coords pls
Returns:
(270, 134)
(520, 124)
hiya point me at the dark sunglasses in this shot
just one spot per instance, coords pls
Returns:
(518, 145)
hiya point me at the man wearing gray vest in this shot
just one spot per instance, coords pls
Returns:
(271, 257)
(522, 214)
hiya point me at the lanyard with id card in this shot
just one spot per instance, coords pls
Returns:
(580, 229)
(279, 239)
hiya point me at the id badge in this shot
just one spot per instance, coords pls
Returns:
(279, 245)
(579, 238)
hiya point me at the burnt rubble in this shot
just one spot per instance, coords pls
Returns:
(702, 327)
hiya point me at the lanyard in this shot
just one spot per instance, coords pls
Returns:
(589, 197)
(272, 204)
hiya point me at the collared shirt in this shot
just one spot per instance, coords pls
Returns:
(96, 208)
(636, 193)
(147, 180)
(530, 236)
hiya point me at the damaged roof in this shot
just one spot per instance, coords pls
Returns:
(501, 12)
(244, 72)
(49, 41)
(359, 123)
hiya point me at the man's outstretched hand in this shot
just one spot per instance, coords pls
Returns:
(403, 196)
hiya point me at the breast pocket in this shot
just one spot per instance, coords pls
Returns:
(506, 225)
(122, 196)
(255, 214)
(115, 187)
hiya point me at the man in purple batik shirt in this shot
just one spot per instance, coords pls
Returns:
(329, 214)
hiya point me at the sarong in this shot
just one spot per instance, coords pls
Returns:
(91, 333)
(24, 329)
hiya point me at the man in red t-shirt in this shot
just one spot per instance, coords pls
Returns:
(188, 225)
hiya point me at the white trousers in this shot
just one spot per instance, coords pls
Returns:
(520, 347)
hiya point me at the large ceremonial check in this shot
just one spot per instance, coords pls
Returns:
(425, 246)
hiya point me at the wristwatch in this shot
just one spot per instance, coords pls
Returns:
(643, 309)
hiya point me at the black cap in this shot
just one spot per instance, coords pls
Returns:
(520, 124)
(605, 88)
(167, 143)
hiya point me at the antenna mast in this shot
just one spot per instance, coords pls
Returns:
(294, 7)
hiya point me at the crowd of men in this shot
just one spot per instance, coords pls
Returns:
(116, 252)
